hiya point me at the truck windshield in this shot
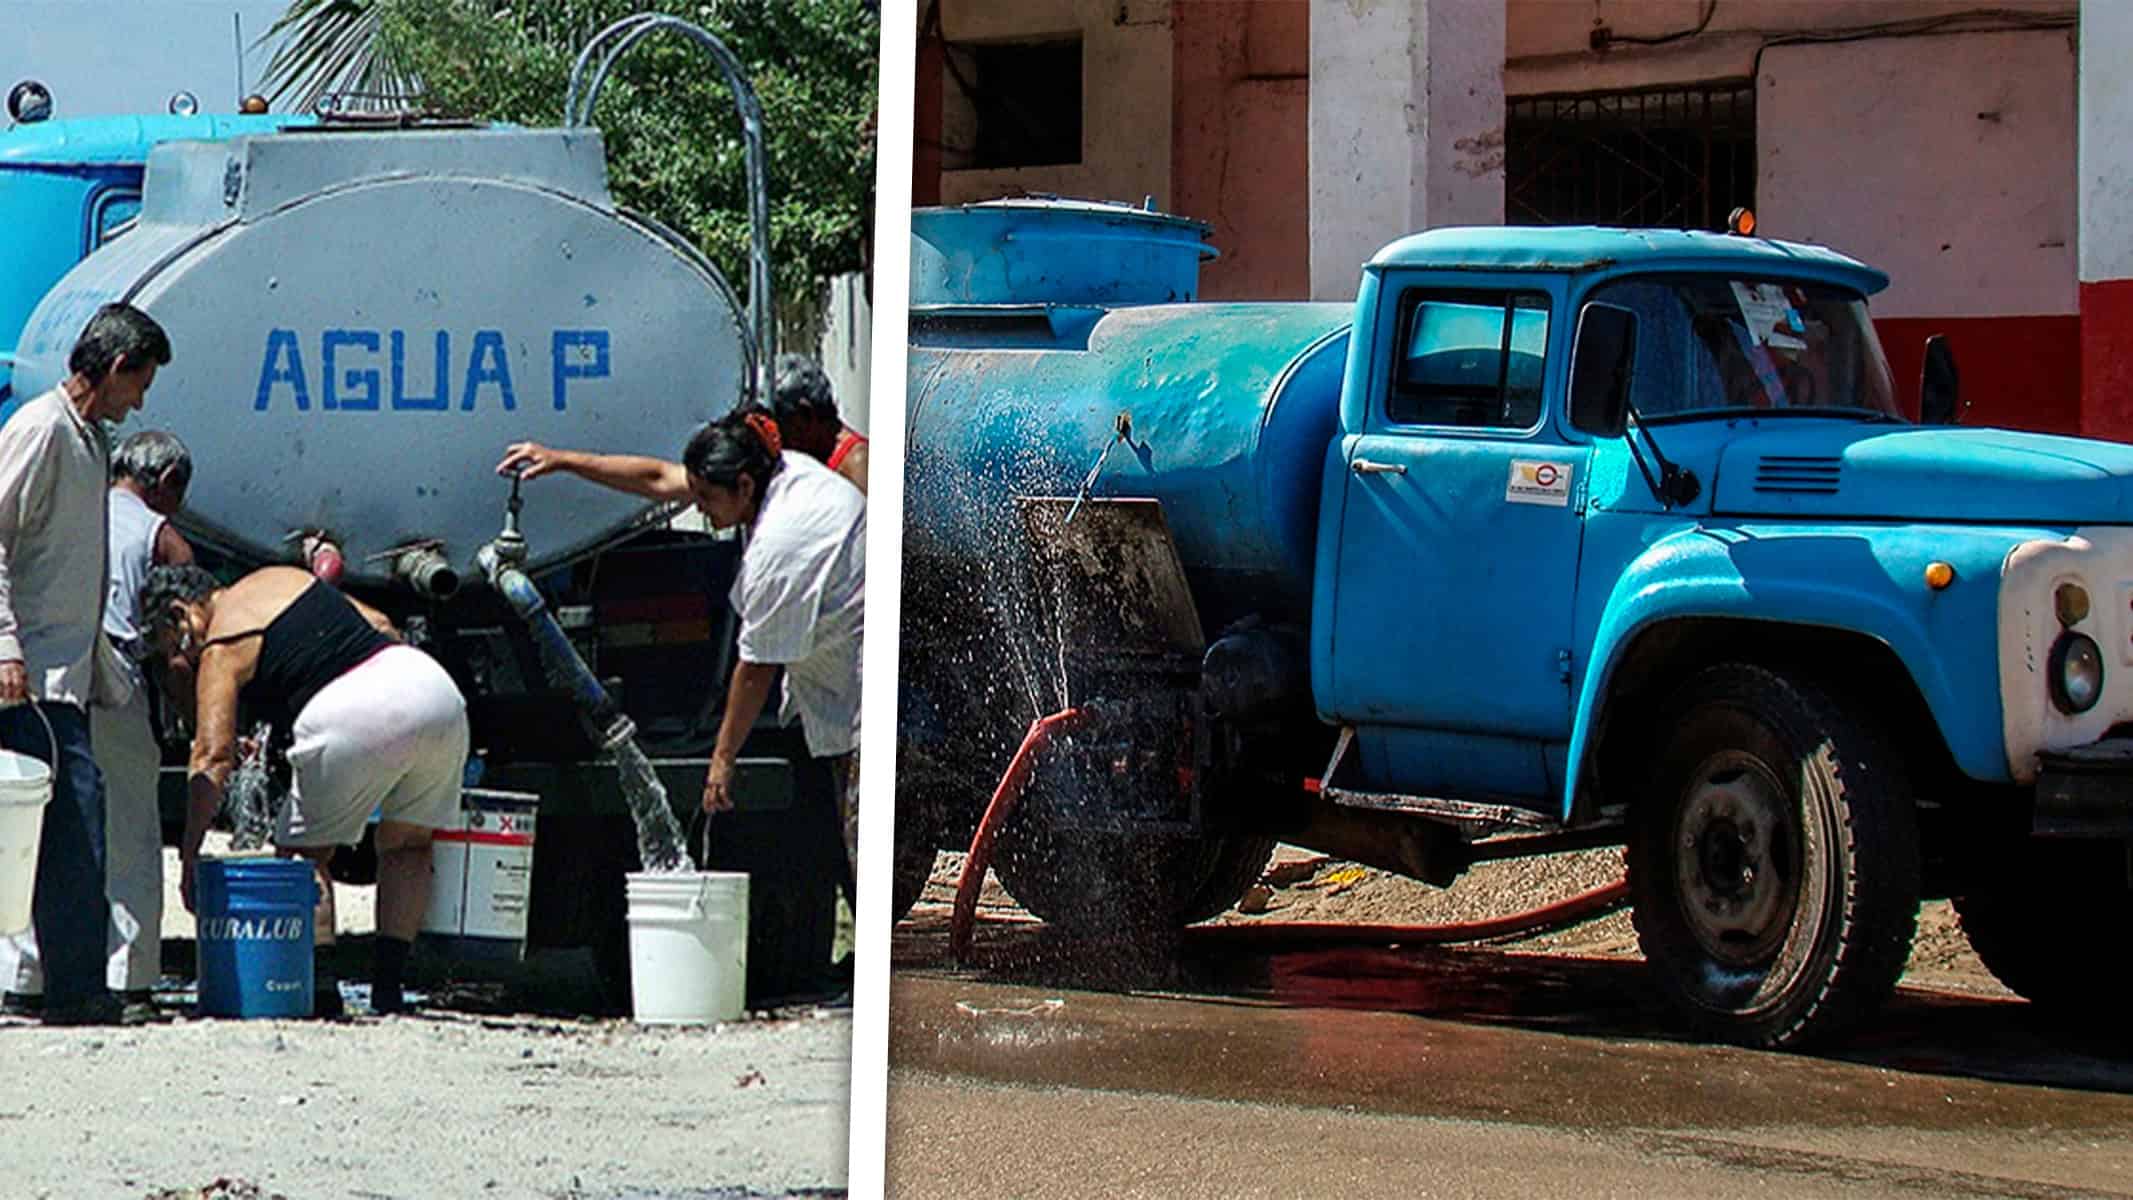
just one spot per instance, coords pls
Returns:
(1711, 345)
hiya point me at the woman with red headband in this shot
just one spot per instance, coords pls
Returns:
(799, 593)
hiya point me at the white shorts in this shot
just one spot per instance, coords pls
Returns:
(389, 734)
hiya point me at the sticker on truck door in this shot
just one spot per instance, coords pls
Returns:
(1539, 483)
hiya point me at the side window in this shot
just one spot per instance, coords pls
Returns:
(113, 214)
(1470, 358)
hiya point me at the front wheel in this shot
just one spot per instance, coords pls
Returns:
(915, 855)
(2033, 925)
(1773, 860)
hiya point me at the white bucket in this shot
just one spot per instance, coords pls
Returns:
(25, 788)
(688, 946)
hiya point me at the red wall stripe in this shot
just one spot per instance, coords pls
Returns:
(2017, 372)
(2107, 359)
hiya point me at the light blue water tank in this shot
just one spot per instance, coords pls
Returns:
(1035, 325)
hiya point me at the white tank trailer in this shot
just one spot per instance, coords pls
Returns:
(363, 317)
(364, 320)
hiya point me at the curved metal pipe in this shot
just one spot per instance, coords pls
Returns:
(577, 110)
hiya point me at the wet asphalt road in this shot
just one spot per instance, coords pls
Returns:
(1051, 1068)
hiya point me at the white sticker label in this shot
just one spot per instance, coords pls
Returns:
(1539, 483)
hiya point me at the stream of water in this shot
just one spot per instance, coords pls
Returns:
(659, 836)
(248, 798)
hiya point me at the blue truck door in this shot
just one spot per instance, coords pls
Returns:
(1462, 521)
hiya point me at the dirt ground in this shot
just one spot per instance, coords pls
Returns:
(1301, 885)
(492, 1089)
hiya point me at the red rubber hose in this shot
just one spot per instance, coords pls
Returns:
(1583, 907)
(1004, 799)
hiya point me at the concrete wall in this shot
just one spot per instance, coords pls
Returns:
(1548, 42)
(108, 57)
(1949, 163)
(1126, 85)
(1240, 94)
(2106, 215)
(846, 347)
(1876, 147)
(1406, 126)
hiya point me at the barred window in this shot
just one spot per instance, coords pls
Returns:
(1026, 97)
(1671, 158)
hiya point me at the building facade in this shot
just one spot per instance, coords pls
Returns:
(1964, 150)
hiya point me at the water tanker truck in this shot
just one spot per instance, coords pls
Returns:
(1556, 538)
(364, 313)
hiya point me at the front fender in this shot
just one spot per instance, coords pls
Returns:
(1863, 579)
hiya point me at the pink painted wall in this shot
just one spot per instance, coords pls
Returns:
(1949, 163)
(1238, 157)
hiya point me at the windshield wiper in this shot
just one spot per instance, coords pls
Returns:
(1675, 485)
(1872, 416)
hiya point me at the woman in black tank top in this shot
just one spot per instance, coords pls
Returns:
(371, 725)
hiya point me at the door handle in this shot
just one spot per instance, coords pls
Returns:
(1363, 466)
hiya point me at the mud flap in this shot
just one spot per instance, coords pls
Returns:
(1110, 579)
(1112, 598)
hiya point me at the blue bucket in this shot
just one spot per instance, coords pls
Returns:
(255, 923)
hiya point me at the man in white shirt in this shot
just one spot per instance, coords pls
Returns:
(150, 472)
(53, 651)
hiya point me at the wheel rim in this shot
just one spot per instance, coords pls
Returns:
(1737, 860)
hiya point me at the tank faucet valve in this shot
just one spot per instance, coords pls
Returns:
(509, 546)
(321, 555)
(425, 568)
(1121, 431)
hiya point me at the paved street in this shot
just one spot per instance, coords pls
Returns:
(1057, 1069)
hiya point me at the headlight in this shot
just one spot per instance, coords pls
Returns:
(2076, 673)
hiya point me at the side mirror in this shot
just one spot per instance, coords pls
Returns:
(1600, 363)
(1939, 400)
(28, 102)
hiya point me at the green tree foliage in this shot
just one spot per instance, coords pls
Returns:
(324, 46)
(673, 136)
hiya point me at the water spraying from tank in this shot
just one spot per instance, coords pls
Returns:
(249, 800)
(659, 836)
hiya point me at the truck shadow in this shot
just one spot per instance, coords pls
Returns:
(1921, 1031)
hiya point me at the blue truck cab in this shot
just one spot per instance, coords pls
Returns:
(68, 187)
(1556, 538)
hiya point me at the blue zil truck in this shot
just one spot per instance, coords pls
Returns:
(1555, 538)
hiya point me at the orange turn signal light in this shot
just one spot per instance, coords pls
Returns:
(1741, 221)
(1939, 575)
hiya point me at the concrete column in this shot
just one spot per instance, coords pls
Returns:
(2106, 206)
(1406, 126)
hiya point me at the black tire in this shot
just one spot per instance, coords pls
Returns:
(915, 854)
(2034, 924)
(1773, 860)
(1120, 882)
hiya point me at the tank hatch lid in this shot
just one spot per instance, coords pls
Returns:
(202, 183)
(1046, 202)
(1048, 250)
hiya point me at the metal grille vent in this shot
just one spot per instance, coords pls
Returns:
(1801, 474)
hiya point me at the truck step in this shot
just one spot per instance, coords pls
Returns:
(1475, 819)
